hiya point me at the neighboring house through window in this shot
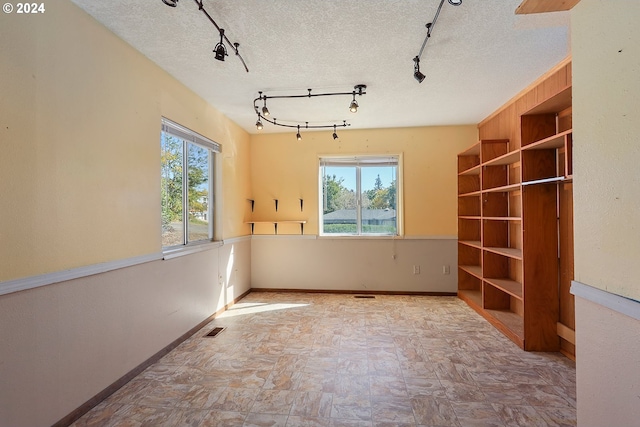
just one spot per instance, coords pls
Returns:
(359, 195)
(187, 163)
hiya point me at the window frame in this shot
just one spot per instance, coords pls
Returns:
(359, 161)
(191, 138)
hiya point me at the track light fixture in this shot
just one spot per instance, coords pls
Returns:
(263, 113)
(220, 49)
(430, 26)
(416, 70)
(354, 104)
(265, 110)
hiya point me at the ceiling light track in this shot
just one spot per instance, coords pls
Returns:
(220, 49)
(430, 26)
(264, 113)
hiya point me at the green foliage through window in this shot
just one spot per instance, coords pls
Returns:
(359, 196)
(185, 190)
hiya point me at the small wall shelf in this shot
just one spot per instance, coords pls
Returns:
(275, 224)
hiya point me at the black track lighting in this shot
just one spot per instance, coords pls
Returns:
(263, 113)
(259, 124)
(220, 50)
(430, 26)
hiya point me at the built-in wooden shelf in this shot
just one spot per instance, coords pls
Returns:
(503, 188)
(472, 297)
(554, 141)
(471, 171)
(508, 252)
(505, 159)
(472, 243)
(502, 218)
(512, 321)
(508, 286)
(474, 270)
(515, 247)
(474, 150)
(544, 6)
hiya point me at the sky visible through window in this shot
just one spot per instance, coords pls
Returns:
(368, 176)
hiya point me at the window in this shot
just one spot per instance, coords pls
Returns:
(187, 163)
(359, 195)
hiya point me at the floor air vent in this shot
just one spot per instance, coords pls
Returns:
(214, 332)
(364, 296)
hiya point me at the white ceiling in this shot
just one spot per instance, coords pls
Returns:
(479, 56)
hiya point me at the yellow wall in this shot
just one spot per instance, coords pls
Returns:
(79, 131)
(286, 169)
(606, 61)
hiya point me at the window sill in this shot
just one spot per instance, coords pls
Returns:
(171, 253)
(359, 237)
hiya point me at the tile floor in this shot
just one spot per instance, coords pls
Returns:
(298, 359)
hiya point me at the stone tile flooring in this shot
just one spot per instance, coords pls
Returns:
(300, 359)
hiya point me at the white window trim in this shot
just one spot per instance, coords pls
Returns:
(399, 195)
(183, 133)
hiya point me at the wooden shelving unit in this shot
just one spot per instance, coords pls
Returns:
(512, 190)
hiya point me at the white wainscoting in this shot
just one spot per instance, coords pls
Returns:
(65, 342)
(354, 264)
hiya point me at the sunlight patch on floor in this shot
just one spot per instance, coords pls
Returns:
(256, 307)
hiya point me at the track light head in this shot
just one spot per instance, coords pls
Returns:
(335, 135)
(354, 104)
(259, 124)
(298, 136)
(220, 50)
(172, 3)
(265, 111)
(416, 70)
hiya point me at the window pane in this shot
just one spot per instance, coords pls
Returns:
(171, 187)
(378, 195)
(198, 193)
(339, 200)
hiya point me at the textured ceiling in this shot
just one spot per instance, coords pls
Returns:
(479, 56)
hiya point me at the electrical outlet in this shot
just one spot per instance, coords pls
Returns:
(416, 269)
(446, 269)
